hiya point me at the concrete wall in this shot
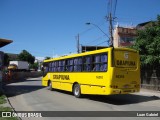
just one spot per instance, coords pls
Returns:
(18, 76)
(150, 79)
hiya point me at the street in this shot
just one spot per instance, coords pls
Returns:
(30, 95)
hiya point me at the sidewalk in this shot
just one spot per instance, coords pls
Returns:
(149, 92)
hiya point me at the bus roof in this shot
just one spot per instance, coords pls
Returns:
(87, 53)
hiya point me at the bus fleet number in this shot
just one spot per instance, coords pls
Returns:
(99, 77)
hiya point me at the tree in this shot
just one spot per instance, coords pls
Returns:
(148, 45)
(9, 57)
(26, 56)
(6, 59)
(34, 66)
(46, 58)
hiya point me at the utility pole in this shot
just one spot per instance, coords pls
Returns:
(110, 30)
(112, 4)
(77, 37)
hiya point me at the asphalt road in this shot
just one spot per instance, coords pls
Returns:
(30, 95)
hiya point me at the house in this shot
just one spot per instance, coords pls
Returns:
(124, 36)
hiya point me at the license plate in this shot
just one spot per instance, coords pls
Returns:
(126, 86)
(127, 91)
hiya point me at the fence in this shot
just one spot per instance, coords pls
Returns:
(19, 76)
(150, 79)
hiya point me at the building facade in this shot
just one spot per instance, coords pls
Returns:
(124, 36)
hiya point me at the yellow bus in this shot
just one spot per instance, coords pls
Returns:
(101, 72)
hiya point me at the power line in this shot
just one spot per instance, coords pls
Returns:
(115, 8)
(111, 6)
(97, 39)
(85, 31)
(91, 28)
(108, 10)
(102, 42)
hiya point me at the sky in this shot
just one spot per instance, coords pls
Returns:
(50, 27)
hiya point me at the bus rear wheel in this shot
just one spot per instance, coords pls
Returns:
(77, 91)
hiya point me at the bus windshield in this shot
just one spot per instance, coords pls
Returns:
(125, 59)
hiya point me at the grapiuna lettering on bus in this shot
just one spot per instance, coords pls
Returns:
(125, 62)
(61, 77)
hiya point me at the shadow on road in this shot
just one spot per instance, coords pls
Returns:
(19, 80)
(14, 89)
(122, 99)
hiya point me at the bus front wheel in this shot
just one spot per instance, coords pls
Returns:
(77, 91)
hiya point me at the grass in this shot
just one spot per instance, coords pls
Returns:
(2, 98)
(5, 109)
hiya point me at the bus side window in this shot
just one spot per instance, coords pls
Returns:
(104, 62)
(78, 64)
(53, 66)
(75, 64)
(103, 58)
(50, 67)
(59, 64)
(93, 63)
(103, 67)
(46, 67)
(99, 62)
(87, 63)
(62, 66)
(97, 58)
(66, 65)
(97, 67)
(56, 66)
(69, 65)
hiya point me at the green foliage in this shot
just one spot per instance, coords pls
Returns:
(46, 58)
(34, 66)
(148, 44)
(26, 56)
(6, 59)
(2, 99)
(7, 109)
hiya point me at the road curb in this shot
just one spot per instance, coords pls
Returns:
(8, 103)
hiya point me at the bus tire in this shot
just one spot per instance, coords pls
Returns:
(50, 86)
(77, 91)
